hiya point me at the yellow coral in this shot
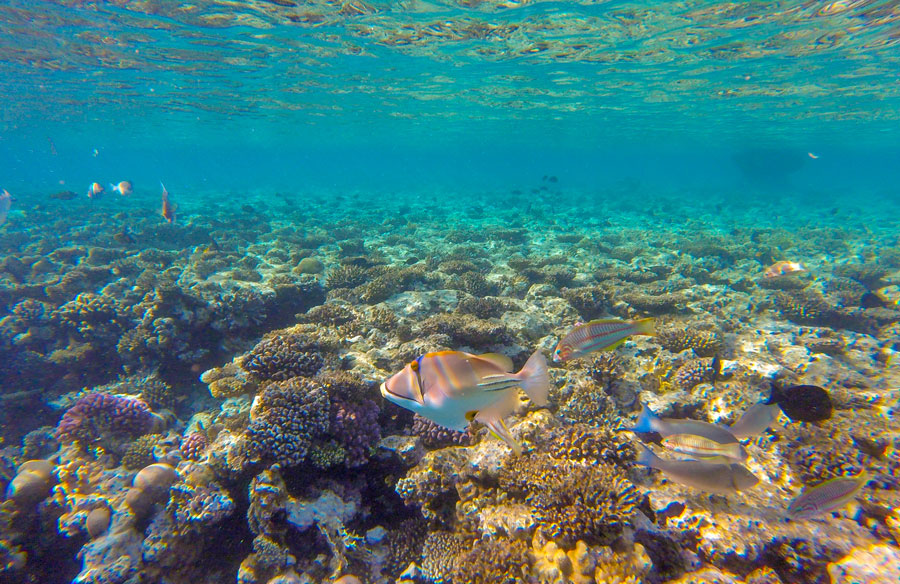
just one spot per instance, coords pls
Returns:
(553, 565)
(226, 387)
(626, 568)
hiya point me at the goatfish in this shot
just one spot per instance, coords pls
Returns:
(754, 421)
(826, 497)
(783, 269)
(721, 479)
(600, 335)
(451, 388)
(699, 447)
(168, 209)
(665, 427)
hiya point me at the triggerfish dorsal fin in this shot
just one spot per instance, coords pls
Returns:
(498, 359)
(535, 378)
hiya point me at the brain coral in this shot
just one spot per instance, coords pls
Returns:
(288, 417)
(283, 356)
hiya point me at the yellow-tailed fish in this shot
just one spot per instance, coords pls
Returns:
(704, 448)
(826, 497)
(712, 477)
(600, 335)
(650, 422)
(451, 388)
(754, 421)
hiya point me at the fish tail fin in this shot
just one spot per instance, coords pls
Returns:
(646, 422)
(498, 427)
(535, 378)
(646, 457)
(773, 394)
(645, 326)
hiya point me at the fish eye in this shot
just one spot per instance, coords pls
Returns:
(414, 365)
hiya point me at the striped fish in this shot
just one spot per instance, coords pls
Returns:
(826, 497)
(704, 448)
(600, 335)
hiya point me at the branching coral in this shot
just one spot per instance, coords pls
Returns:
(500, 561)
(289, 416)
(703, 343)
(283, 356)
(467, 330)
(697, 371)
(439, 556)
(96, 414)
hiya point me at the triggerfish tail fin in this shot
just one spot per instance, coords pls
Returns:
(646, 422)
(645, 326)
(646, 457)
(535, 378)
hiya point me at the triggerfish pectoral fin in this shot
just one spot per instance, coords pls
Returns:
(493, 416)
(535, 378)
(499, 429)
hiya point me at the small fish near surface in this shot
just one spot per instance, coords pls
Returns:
(168, 209)
(826, 497)
(802, 403)
(784, 268)
(754, 421)
(600, 335)
(95, 191)
(711, 477)
(698, 447)
(648, 422)
(451, 388)
(124, 188)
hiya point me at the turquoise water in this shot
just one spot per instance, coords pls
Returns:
(360, 183)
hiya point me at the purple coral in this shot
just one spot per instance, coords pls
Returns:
(194, 446)
(434, 436)
(98, 413)
(355, 426)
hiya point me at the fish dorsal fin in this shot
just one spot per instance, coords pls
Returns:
(498, 359)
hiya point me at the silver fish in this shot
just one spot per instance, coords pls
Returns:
(722, 479)
(650, 422)
(754, 421)
(703, 448)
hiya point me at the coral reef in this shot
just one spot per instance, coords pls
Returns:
(290, 416)
(283, 356)
(100, 414)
